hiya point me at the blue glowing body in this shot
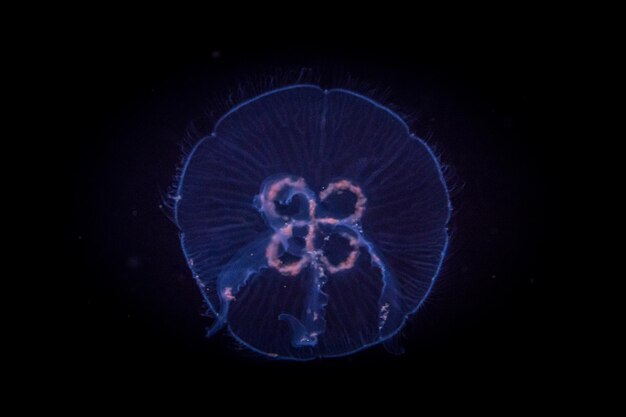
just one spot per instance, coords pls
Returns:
(313, 221)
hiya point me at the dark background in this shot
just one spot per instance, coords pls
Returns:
(134, 307)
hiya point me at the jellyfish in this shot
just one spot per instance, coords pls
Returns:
(313, 221)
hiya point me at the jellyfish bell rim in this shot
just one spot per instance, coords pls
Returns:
(446, 238)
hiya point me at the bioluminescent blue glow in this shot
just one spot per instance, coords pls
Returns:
(313, 221)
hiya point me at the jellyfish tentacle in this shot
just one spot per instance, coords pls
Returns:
(245, 264)
(305, 331)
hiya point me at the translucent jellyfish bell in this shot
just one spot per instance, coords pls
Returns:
(313, 221)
